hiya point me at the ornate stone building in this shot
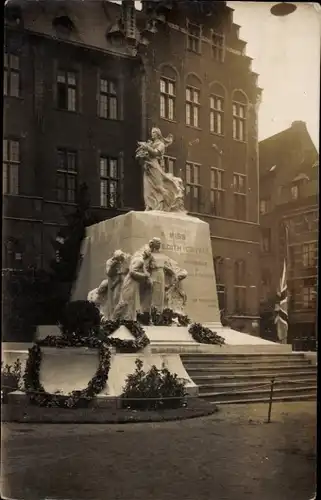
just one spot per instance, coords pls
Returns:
(85, 80)
(289, 215)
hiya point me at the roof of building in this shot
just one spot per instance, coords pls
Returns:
(296, 141)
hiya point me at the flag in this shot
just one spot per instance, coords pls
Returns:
(281, 308)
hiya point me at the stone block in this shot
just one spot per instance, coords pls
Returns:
(185, 239)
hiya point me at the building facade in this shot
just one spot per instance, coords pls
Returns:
(77, 100)
(289, 215)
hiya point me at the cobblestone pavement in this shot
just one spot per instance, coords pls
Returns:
(231, 455)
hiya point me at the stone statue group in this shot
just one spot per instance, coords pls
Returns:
(136, 284)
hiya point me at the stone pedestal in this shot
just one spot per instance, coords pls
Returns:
(184, 239)
(71, 368)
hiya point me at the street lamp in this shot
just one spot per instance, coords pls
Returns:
(282, 9)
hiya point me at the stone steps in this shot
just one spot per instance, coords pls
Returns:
(248, 364)
(255, 377)
(240, 357)
(293, 394)
(246, 378)
(202, 370)
(222, 387)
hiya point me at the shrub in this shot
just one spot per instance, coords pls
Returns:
(11, 379)
(153, 387)
(81, 318)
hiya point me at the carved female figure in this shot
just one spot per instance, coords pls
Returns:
(130, 302)
(160, 189)
(159, 267)
(116, 269)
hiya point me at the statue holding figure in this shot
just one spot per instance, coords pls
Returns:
(137, 280)
(162, 191)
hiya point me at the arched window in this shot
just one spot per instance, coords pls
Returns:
(240, 286)
(219, 267)
(239, 107)
(217, 104)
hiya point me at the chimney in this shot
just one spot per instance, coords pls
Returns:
(299, 124)
(129, 18)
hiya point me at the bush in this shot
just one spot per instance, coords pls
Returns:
(11, 379)
(153, 387)
(81, 318)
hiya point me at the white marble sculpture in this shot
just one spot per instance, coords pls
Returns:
(158, 267)
(175, 296)
(136, 283)
(117, 268)
(162, 191)
(148, 279)
(99, 297)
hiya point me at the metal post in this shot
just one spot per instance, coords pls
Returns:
(270, 402)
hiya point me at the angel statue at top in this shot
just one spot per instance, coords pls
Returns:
(162, 191)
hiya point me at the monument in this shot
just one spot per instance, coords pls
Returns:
(148, 261)
(182, 255)
(141, 262)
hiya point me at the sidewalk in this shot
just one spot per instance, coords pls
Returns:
(232, 455)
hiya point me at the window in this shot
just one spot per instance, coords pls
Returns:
(266, 283)
(240, 286)
(266, 240)
(108, 100)
(11, 81)
(11, 163)
(167, 99)
(194, 38)
(309, 296)
(239, 181)
(295, 192)
(216, 114)
(13, 255)
(264, 206)
(217, 192)
(109, 182)
(220, 282)
(193, 188)
(67, 90)
(218, 46)
(309, 251)
(169, 164)
(192, 106)
(67, 176)
(239, 121)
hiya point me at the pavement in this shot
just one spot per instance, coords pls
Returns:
(231, 455)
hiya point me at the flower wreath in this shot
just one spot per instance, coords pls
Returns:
(35, 390)
(39, 396)
(204, 335)
(140, 338)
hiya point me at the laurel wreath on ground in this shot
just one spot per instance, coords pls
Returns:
(204, 335)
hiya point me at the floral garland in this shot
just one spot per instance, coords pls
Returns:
(39, 396)
(165, 318)
(204, 335)
(140, 338)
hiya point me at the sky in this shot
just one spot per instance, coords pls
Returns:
(286, 54)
